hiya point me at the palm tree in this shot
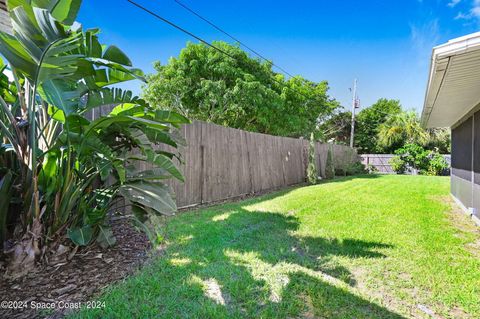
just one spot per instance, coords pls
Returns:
(402, 128)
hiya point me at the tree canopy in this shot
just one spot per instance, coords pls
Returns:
(383, 128)
(238, 91)
(368, 122)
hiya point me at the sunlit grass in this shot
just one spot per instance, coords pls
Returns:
(368, 247)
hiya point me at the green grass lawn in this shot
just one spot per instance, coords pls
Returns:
(365, 247)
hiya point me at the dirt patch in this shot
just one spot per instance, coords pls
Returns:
(89, 271)
(463, 224)
(457, 216)
(382, 291)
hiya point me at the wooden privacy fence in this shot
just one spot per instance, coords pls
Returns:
(381, 162)
(221, 163)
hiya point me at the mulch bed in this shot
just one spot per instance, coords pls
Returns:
(89, 271)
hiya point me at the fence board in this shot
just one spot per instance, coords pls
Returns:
(381, 162)
(221, 163)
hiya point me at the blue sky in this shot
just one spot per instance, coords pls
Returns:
(386, 44)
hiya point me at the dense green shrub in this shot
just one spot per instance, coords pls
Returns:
(355, 168)
(370, 169)
(340, 171)
(414, 157)
(329, 165)
(398, 164)
(437, 164)
(60, 171)
(312, 175)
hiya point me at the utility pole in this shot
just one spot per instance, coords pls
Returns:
(354, 106)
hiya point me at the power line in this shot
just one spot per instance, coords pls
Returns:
(231, 36)
(202, 40)
(179, 28)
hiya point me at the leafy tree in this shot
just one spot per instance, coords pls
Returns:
(329, 164)
(237, 91)
(60, 171)
(439, 139)
(400, 129)
(382, 128)
(336, 127)
(312, 174)
(368, 124)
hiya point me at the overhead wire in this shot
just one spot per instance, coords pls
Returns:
(176, 26)
(231, 36)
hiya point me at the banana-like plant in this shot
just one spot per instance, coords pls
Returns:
(60, 170)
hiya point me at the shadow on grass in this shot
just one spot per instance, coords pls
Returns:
(229, 262)
(235, 264)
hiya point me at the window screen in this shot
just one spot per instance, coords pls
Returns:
(462, 149)
(476, 148)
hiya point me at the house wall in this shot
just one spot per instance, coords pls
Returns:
(465, 182)
(476, 164)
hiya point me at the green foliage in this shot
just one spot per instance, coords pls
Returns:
(398, 164)
(330, 165)
(5, 195)
(81, 236)
(66, 170)
(413, 156)
(312, 174)
(383, 128)
(437, 164)
(336, 127)
(400, 129)
(370, 169)
(439, 139)
(394, 228)
(368, 123)
(355, 168)
(243, 92)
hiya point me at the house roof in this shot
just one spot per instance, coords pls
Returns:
(453, 88)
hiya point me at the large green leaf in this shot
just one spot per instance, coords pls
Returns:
(166, 163)
(64, 11)
(16, 54)
(86, 145)
(82, 167)
(171, 117)
(117, 67)
(92, 45)
(109, 96)
(154, 195)
(105, 237)
(81, 236)
(159, 160)
(156, 173)
(107, 121)
(135, 108)
(114, 54)
(5, 194)
(143, 141)
(61, 96)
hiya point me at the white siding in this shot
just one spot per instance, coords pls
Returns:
(454, 85)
